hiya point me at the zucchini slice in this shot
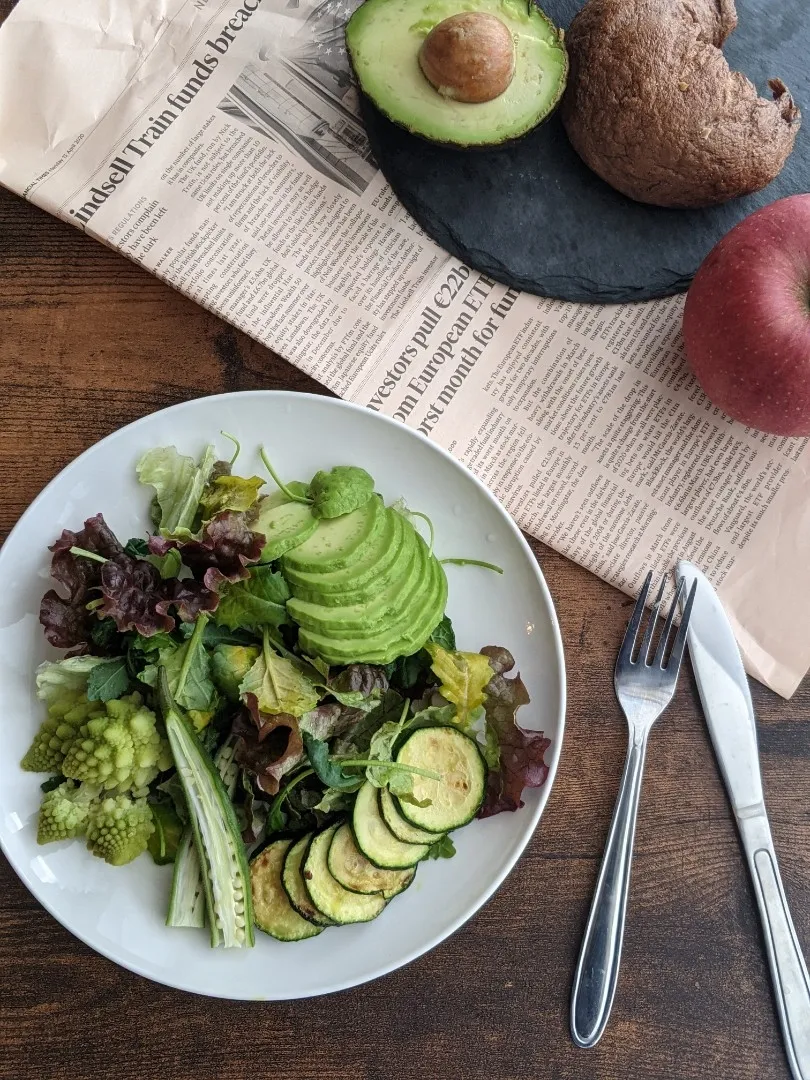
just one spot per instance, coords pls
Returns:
(292, 880)
(457, 797)
(272, 911)
(402, 829)
(217, 839)
(328, 895)
(349, 866)
(375, 840)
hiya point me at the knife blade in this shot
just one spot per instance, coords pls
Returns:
(729, 711)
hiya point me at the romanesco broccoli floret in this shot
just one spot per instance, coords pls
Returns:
(58, 731)
(120, 751)
(64, 812)
(118, 828)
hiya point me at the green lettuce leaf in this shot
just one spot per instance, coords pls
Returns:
(230, 493)
(341, 490)
(278, 684)
(255, 602)
(463, 677)
(65, 680)
(179, 483)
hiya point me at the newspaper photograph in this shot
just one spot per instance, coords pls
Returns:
(219, 145)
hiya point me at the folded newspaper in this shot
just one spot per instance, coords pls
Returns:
(218, 145)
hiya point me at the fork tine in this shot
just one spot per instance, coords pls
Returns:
(630, 634)
(662, 644)
(646, 641)
(679, 644)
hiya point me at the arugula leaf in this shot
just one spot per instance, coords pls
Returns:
(522, 762)
(255, 602)
(188, 669)
(230, 493)
(165, 840)
(444, 634)
(341, 490)
(442, 849)
(329, 772)
(278, 684)
(178, 482)
(108, 681)
(463, 678)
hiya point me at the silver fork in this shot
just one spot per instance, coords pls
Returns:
(644, 687)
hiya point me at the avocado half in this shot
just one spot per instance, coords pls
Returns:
(384, 38)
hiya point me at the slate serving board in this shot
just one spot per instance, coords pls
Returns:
(534, 216)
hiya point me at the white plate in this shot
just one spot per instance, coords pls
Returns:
(120, 912)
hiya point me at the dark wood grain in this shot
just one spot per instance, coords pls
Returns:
(89, 342)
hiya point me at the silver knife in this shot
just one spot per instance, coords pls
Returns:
(729, 711)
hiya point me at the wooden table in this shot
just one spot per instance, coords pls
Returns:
(89, 342)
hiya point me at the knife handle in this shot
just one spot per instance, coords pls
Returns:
(788, 970)
(600, 955)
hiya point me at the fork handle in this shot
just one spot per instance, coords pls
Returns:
(791, 982)
(598, 966)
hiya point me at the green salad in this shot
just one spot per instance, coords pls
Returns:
(264, 690)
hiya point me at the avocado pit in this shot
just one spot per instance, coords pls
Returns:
(469, 57)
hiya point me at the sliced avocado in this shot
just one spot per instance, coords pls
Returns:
(401, 638)
(284, 526)
(380, 606)
(361, 573)
(338, 541)
(385, 39)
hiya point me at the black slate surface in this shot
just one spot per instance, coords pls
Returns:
(534, 216)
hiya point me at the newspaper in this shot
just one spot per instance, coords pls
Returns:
(218, 144)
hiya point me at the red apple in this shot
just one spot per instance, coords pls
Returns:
(746, 323)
